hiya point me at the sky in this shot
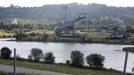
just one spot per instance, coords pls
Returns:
(32, 3)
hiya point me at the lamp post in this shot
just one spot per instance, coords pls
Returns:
(14, 70)
(125, 64)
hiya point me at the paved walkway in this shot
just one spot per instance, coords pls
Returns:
(7, 68)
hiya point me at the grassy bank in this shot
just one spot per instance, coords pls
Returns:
(3, 73)
(130, 49)
(62, 68)
(82, 37)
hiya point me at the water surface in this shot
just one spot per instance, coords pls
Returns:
(114, 56)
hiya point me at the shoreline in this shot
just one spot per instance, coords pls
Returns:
(97, 42)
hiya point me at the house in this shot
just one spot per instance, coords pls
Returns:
(14, 21)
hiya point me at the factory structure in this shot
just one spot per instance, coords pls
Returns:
(119, 32)
(68, 29)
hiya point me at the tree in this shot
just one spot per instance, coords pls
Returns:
(20, 34)
(36, 53)
(77, 58)
(5, 53)
(49, 58)
(95, 60)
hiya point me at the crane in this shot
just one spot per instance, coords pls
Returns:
(68, 29)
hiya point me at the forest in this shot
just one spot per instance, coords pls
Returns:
(48, 15)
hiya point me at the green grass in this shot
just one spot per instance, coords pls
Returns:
(100, 37)
(61, 68)
(3, 73)
(130, 49)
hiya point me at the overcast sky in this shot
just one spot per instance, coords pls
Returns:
(31, 3)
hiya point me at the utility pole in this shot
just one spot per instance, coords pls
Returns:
(125, 64)
(14, 70)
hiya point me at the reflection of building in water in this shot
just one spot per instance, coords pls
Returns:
(14, 21)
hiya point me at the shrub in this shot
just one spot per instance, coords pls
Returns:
(68, 62)
(18, 57)
(36, 53)
(77, 58)
(5, 53)
(49, 58)
(30, 58)
(95, 60)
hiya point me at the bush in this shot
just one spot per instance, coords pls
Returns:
(5, 53)
(18, 57)
(30, 58)
(49, 58)
(77, 58)
(37, 54)
(95, 60)
(68, 62)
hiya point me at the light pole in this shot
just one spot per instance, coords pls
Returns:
(125, 64)
(14, 70)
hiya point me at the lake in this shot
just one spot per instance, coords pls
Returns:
(114, 56)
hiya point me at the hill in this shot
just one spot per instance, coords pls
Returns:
(49, 13)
